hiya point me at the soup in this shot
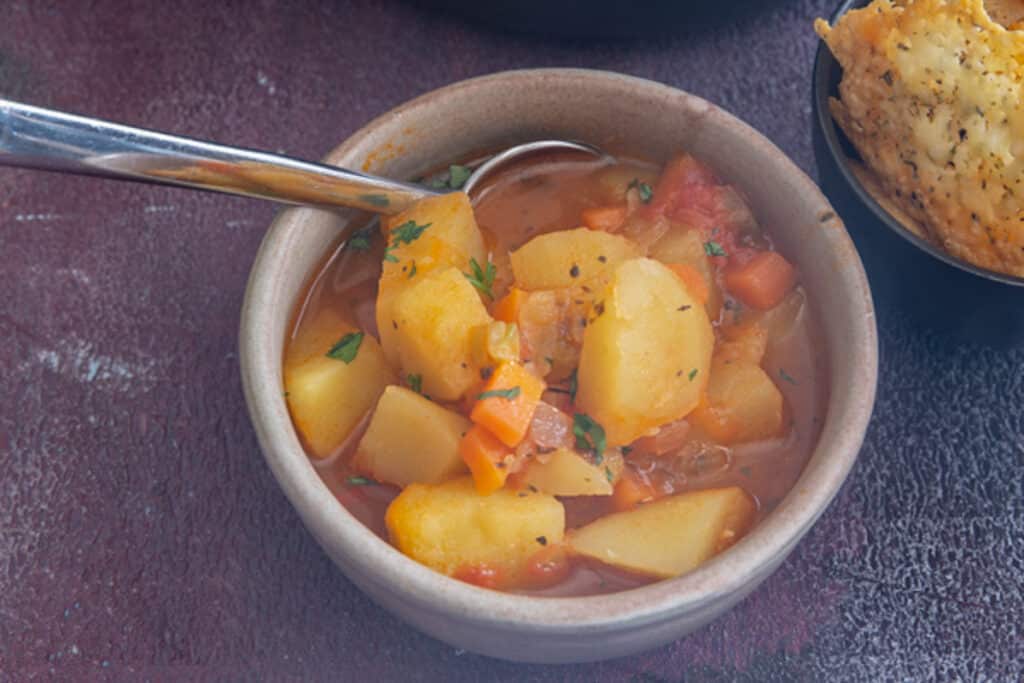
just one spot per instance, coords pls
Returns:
(599, 375)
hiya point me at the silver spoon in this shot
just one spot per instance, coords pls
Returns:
(49, 140)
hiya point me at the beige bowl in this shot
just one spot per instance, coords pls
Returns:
(621, 113)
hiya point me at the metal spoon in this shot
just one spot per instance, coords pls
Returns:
(48, 140)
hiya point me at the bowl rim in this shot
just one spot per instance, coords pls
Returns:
(825, 67)
(383, 566)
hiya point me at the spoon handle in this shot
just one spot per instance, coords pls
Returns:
(48, 140)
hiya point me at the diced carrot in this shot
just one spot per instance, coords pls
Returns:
(631, 490)
(547, 566)
(679, 178)
(510, 398)
(692, 280)
(507, 308)
(763, 282)
(482, 575)
(488, 459)
(606, 218)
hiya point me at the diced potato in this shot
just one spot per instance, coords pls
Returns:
(670, 536)
(645, 359)
(567, 473)
(451, 241)
(327, 397)
(451, 528)
(682, 245)
(741, 404)
(411, 440)
(569, 258)
(433, 322)
(315, 337)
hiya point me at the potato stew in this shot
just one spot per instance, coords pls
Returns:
(602, 376)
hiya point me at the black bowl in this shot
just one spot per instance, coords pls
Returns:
(906, 272)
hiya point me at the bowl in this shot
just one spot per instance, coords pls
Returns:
(620, 113)
(910, 274)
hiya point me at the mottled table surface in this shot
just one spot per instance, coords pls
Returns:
(141, 533)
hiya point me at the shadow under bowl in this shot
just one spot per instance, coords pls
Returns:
(907, 273)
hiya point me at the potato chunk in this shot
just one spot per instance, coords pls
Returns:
(569, 258)
(681, 245)
(742, 404)
(434, 323)
(327, 397)
(411, 440)
(668, 537)
(450, 240)
(645, 358)
(452, 528)
(567, 473)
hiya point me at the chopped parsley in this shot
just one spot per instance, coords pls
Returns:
(626, 450)
(712, 248)
(360, 241)
(408, 232)
(589, 436)
(500, 393)
(786, 376)
(415, 383)
(346, 348)
(573, 386)
(412, 271)
(608, 473)
(389, 257)
(361, 481)
(646, 193)
(482, 278)
(375, 199)
(458, 175)
(693, 373)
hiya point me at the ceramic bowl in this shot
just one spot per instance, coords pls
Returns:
(937, 290)
(620, 113)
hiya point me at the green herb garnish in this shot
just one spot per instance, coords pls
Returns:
(408, 232)
(458, 175)
(626, 450)
(412, 271)
(346, 348)
(589, 436)
(573, 386)
(482, 278)
(643, 188)
(786, 376)
(608, 473)
(693, 373)
(361, 481)
(375, 199)
(500, 393)
(360, 241)
(415, 383)
(712, 248)
(389, 257)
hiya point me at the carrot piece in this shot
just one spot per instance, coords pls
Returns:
(692, 280)
(606, 218)
(763, 282)
(507, 307)
(510, 398)
(487, 458)
(631, 490)
(482, 575)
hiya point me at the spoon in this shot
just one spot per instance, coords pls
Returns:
(49, 140)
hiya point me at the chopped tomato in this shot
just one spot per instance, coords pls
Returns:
(481, 575)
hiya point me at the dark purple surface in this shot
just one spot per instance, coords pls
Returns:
(141, 534)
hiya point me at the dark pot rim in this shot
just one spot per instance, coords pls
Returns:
(825, 66)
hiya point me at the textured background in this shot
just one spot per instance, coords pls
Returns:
(141, 534)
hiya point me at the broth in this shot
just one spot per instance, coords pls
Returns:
(545, 194)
